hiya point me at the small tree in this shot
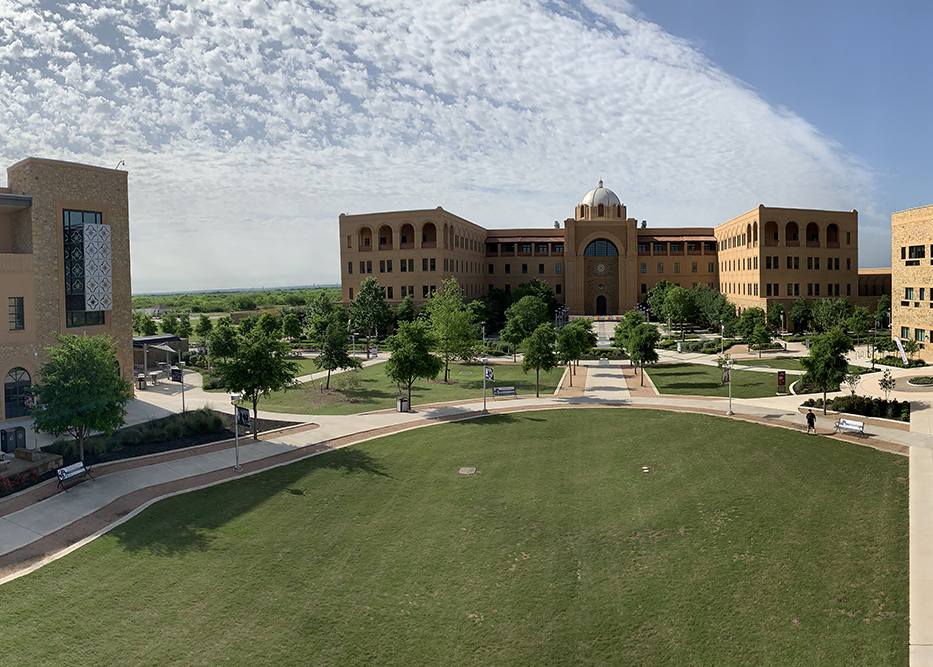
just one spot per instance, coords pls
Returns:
(184, 326)
(887, 383)
(679, 306)
(826, 367)
(853, 379)
(800, 313)
(656, 298)
(204, 328)
(761, 337)
(258, 367)
(148, 326)
(334, 353)
(523, 317)
(369, 312)
(349, 382)
(573, 341)
(291, 326)
(882, 309)
(642, 346)
(406, 311)
(623, 331)
(170, 323)
(223, 343)
(860, 321)
(81, 389)
(539, 353)
(411, 356)
(453, 329)
(911, 347)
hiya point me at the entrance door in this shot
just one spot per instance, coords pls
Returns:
(600, 305)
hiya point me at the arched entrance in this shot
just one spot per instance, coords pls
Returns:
(601, 305)
(15, 385)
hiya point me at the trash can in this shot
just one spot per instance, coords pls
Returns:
(141, 381)
(401, 404)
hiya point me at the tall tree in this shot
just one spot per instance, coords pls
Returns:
(678, 306)
(656, 297)
(334, 353)
(81, 389)
(800, 313)
(761, 336)
(406, 311)
(148, 326)
(709, 303)
(411, 356)
(258, 367)
(826, 367)
(223, 343)
(319, 312)
(204, 327)
(859, 321)
(170, 323)
(624, 329)
(539, 353)
(642, 344)
(523, 317)
(291, 326)
(454, 333)
(573, 341)
(775, 312)
(184, 326)
(540, 289)
(749, 319)
(369, 312)
(270, 324)
(882, 309)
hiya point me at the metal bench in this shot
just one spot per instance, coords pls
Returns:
(74, 471)
(850, 426)
(504, 391)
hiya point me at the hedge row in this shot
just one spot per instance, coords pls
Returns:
(865, 406)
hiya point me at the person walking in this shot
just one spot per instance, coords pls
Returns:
(811, 422)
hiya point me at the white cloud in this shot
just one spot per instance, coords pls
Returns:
(254, 125)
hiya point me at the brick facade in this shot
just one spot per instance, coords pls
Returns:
(912, 277)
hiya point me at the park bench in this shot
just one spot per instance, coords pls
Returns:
(504, 391)
(850, 426)
(74, 471)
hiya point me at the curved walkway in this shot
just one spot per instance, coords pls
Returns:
(35, 533)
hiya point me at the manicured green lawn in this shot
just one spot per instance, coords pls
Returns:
(789, 364)
(742, 545)
(378, 392)
(700, 380)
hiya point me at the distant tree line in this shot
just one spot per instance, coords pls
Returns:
(228, 302)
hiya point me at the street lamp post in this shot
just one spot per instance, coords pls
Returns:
(484, 349)
(485, 411)
(729, 366)
(722, 338)
(236, 433)
(181, 365)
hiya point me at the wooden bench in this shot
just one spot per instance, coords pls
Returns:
(74, 471)
(850, 426)
(504, 391)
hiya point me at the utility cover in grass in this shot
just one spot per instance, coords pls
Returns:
(467, 471)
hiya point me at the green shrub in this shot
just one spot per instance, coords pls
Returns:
(865, 406)
(896, 362)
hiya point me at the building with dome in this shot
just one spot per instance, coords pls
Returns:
(602, 262)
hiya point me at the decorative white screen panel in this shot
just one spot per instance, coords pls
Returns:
(98, 268)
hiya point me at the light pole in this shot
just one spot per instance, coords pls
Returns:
(181, 365)
(236, 433)
(353, 339)
(722, 338)
(484, 350)
(729, 366)
(485, 411)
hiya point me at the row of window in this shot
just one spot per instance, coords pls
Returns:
(385, 265)
(920, 335)
(508, 269)
(913, 254)
(793, 289)
(813, 263)
(916, 295)
(693, 267)
(692, 246)
(17, 313)
(526, 248)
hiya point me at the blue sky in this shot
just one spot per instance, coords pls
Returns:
(248, 126)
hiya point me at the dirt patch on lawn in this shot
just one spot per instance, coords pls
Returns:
(579, 384)
(632, 377)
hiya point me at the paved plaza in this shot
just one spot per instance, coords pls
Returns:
(35, 533)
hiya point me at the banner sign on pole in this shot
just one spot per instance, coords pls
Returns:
(900, 349)
(488, 372)
(782, 379)
(242, 416)
(725, 375)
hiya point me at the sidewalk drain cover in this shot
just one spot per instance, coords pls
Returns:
(467, 471)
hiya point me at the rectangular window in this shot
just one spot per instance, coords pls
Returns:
(388, 266)
(351, 294)
(767, 263)
(382, 266)
(540, 269)
(404, 291)
(691, 245)
(17, 313)
(542, 248)
(797, 263)
(644, 288)
(711, 267)
(848, 263)
(411, 266)
(659, 247)
(524, 268)
(693, 267)
(790, 289)
(809, 289)
(816, 289)
(557, 268)
(508, 269)
(526, 247)
(768, 289)
(837, 264)
(433, 264)
(508, 289)
(389, 288)
(796, 289)
(916, 252)
(424, 263)
(837, 289)
(756, 289)
(920, 335)
(424, 291)
(905, 332)
(660, 267)
(676, 267)
(675, 247)
(446, 264)
(909, 293)
(790, 262)
(642, 247)
(403, 266)
(777, 289)
(369, 266)
(362, 267)
(559, 248)
(809, 263)
(491, 270)
(903, 253)
(86, 298)
(557, 288)
(816, 263)
(848, 238)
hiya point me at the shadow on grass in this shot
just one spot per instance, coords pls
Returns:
(159, 531)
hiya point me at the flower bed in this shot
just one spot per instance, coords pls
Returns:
(920, 381)
(14, 483)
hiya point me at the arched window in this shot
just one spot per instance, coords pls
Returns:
(600, 211)
(601, 248)
(15, 387)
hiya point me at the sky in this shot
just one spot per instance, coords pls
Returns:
(247, 126)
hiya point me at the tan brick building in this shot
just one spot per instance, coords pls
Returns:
(601, 262)
(912, 276)
(64, 266)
